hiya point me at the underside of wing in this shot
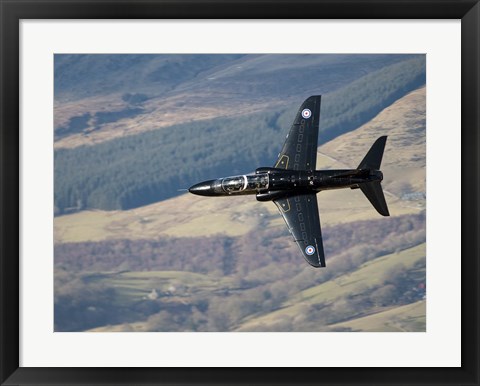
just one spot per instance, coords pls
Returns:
(300, 213)
(300, 149)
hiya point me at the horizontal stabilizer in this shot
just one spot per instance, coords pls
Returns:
(373, 191)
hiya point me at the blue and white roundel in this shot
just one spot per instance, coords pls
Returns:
(310, 250)
(306, 113)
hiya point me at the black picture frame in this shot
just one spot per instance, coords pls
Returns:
(12, 11)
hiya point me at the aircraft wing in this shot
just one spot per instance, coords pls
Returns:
(300, 149)
(300, 213)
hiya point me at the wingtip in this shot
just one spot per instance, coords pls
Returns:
(314, 261)
(316, 265)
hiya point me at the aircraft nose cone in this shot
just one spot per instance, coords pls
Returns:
(202, 189)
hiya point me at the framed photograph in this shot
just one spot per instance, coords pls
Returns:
(142, 144)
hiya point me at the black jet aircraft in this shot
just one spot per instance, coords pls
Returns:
(292, 184)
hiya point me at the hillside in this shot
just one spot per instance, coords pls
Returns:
(344, 294)
(188, 215)
(410, 317)
(133, 253)
(142, 149)
(271, 296)
(100, 97)
(405, 124)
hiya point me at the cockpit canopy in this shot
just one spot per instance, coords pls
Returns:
(253, 182)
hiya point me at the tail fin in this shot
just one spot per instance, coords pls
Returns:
(373, 190)
(373, 159)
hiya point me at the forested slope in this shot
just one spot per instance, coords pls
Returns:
(140, 169)
(188, 215)
(194, 263)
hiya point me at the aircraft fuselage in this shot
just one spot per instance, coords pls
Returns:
(293, 182)
(270, 183)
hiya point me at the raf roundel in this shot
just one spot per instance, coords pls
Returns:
(306, 113)
(310, 250)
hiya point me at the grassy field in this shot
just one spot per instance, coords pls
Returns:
(135, 286)
(410, 317)
(162, 112)
(366, 277)
(181, 287)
